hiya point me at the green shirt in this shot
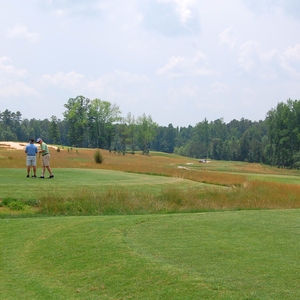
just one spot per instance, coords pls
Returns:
(45, 148)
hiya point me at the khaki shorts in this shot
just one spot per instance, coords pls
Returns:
(46, 160)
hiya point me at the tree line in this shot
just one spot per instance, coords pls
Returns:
(99, 124)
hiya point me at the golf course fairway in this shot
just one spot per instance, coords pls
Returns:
(212, 255)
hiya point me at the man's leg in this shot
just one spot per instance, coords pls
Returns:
(28, 171)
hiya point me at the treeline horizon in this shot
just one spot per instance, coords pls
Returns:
(98, 124)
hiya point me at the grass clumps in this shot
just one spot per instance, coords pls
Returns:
(12, 203)
(16, 207)
(124, 201)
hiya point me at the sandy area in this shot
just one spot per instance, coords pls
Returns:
(17, 145)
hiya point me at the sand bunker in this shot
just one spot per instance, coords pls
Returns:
(17, 145)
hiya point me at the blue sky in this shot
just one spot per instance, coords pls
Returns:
(179, 61)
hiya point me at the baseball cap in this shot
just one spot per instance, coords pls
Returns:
(38, 140)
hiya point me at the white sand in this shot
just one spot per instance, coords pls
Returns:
(17, 145)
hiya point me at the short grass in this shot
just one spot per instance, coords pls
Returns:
(13, 182)
(223, 255)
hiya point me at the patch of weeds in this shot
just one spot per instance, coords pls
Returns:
(32, 202)
(16, 205)
(6, 201)
(12, 203)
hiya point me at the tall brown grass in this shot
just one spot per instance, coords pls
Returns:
(228, 191)
(254, 195)
(137, 163)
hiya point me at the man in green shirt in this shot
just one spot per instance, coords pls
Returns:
(45, 158)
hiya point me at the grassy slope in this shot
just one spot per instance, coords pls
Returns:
(229, 255)
(225, 255)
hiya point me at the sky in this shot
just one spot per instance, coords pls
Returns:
(178, 61)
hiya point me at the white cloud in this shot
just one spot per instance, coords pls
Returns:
(291, 60)
(179, 66)
(292, 53)
(269, 64)
(10, 84)
(7, 69)
(228, 37)
(262, 64)
(60, 79)
(248, 55)
(17, 89)
(170, 17)
(20, 31)
(183, 9)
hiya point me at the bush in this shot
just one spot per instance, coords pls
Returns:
(6, 201)
(32, 202)
(16, 205)
(98, 157)
(12, 203)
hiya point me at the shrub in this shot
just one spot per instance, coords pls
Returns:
(16, 205)
(32, 202)
(6, 201)
(98, 157)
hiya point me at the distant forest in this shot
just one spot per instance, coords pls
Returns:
(98, 124)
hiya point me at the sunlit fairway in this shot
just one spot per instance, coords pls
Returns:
(227, 255)
(147, 227)
(14, 183)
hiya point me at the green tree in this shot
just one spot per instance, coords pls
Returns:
(76, 117)
(130, 132)
(216, 148)
(244, 146)
(54, 133)
(102, 115)
(201, 138)
(284, 122)
(147, 130)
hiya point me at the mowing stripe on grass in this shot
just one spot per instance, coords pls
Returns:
(13, 182)
(228, 255)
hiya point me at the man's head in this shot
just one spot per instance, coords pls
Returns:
(31, 141)
(39, 140)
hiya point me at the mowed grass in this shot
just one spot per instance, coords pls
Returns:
(13, 182)
(221, 255)
(127, 230)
